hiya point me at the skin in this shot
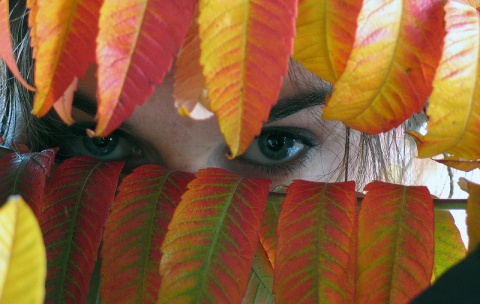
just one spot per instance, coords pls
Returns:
(185, 144)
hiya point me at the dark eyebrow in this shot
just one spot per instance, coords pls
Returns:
(291, 105)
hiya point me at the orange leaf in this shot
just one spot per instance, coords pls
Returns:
(189, 88)
(134, 232)
(325, 35)
(454, 106)
(315, 261)
(449, 247)
(136, 44)
(459, 164)
(395, 243)
(473, 213)
(389, 72)
(63, 46)
(246, 45)
(6, 49)
(212, 238)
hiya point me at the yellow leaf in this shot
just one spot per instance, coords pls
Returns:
(473, 212)
(459, 164)
(22, 254)
(389, 72)
(454, 105)
(246, 47)
(325, 35)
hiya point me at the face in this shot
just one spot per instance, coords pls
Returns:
(294, 144)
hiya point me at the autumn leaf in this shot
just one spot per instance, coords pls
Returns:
(26, 174)
(454, 105)
(6, 48)
(268, 233)
(315, 260)
(63, 41)
(395, 243)
(134, 232)
(212, 238)
(325, 35)
(189, 89)
(22, 254)
(246, 46)
(136, 45)
(449, 247)
(77, 203)
(389, 72)
(459, 164)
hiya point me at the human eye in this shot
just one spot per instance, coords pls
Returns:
(119, 145)
(279, 150)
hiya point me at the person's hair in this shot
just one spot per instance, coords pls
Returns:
(16, 122)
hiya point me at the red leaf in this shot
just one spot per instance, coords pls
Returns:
(268, 233)
(77, 203)
(63, 40)
(315, 261)
(134, 232)
(212, 238)
(395, 243)
(25, 174)
(6, 49)
(137, 42)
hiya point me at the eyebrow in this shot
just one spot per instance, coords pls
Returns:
(291, 105)
(283, 108)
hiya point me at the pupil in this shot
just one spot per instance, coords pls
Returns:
(101, 146)
(275, 142)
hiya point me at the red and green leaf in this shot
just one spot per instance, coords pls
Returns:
(77, 203)
(6, 48)
(390, 70)
(454, 105)
(449, 247)
(26, 174)
(260, 285)
(315, 261)
(134, 232)
(325, 35)
(136, 45)
(395, 243)
(63, 40)
(212, 238)
(246, 46)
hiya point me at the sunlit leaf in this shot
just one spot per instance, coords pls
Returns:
(454, 105)
(246, 46)
(459, 164)
(473, 212)
(325, 35)
(136, 45)
(77, 203)
(6, 49)
(260, 285)
(315, 261)
(212, 238)
(134, 232)
(26, 174)
(189, 88)
(395, 243)
(63, 40)
(23, 264)
(268, 230)
(449, 247)
(389, 72)
(63, 106)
